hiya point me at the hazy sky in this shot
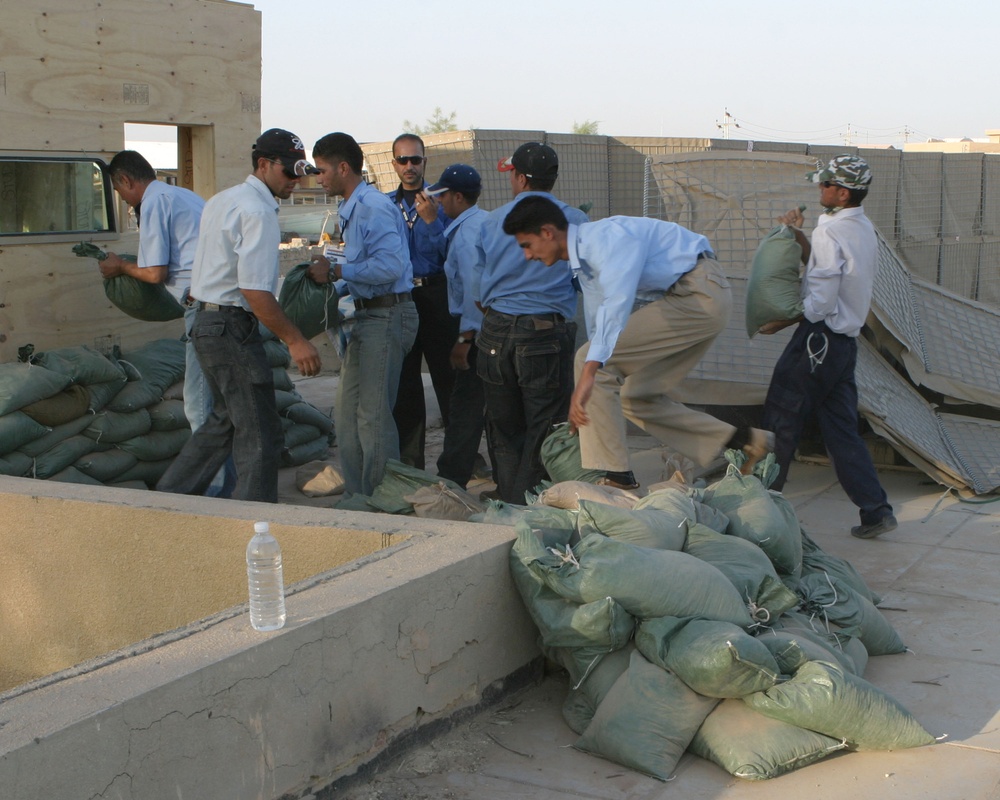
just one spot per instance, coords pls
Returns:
(809, 72)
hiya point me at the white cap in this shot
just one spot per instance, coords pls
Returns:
(261, 527)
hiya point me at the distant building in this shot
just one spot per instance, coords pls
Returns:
(991, 144)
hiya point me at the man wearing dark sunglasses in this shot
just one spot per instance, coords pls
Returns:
(424, 221)
(234, 280)
(815, 374)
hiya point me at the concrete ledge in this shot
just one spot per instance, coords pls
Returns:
(372, 652)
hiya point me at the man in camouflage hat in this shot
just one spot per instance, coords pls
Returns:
(815, 374)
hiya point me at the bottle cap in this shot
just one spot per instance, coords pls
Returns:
(261, 527)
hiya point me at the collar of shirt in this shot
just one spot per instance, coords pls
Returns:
(261, 188)
(456, 223)
(826, 219)
(346, 208)
(572, 241)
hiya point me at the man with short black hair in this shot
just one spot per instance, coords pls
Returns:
(234, 278)
(380, 279)
(527, 338)
(655, 300)
(457, 192)
(425, 222)
(815, 374)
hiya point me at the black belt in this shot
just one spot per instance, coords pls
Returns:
(551, 317)
(429, 280)
(383, 300)
(203, 306)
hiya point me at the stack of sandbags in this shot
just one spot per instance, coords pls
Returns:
(706, 620)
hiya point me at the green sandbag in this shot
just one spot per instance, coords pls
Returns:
(277, 353)
(647, 720)
(648, 527)
(148, 472)
(648, 583)
(283, 399)
(316, 450)
(748, 745)
(311, 306)
(117, 426)
(792, 647)
(582, 702)
(815, 560)
(307, 414)
(837, 601)
(106, 466)
(754, 516)
(774, 289)
(536, 516)
(16, 464)
(158, 365)
(102, 393)
(683, 505)
(22, 384)
(560, 456)
(282, 380)
(58, 434)
(747, 567)
(399, 480)
(167, 415)
(150, 302)
(156, 445)
(62, 455)
(297, 434)
(69, 404)
(72, 475)
(576, 636)
(17, 429)
(715, 659)
(82, 364)
(827, 699)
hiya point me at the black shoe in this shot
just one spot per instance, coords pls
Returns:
(884, 525)
(620, 480)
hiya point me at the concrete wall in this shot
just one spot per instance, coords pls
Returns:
(372, 652)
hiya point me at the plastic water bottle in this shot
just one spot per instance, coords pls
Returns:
(267, 588)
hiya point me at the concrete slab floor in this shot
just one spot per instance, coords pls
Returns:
(938, 574)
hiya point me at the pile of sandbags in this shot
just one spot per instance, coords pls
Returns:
(76, 415)
(704, 620)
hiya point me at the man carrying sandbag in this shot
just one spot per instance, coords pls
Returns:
(655, 299)
(234, 279)
(169, 218)
(815, 374)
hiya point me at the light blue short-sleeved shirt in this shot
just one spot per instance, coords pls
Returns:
(376, 250)
(168, 234)
(462, 235)
(621, 258)
(238, 245)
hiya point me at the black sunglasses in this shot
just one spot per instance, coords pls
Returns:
(828, 184)
(415, 160)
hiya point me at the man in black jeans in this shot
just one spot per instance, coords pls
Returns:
(526, 344)
(425, 223)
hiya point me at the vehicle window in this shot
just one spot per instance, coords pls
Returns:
(43, 196)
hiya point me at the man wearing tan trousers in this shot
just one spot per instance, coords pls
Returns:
(655, 300)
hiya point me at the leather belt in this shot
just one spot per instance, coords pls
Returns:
(203, 306)
(429, 280)
(383, 300)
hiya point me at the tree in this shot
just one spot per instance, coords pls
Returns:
(438, 123)
(588, 126)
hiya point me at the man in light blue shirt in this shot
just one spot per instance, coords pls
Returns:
(379, 275)
(457, 192)
(528, 335)
(655, 300)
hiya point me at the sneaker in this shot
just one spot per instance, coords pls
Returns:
(884, 525)
(760, 443)
(619, 480)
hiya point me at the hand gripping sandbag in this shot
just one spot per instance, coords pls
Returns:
(150, 302)
(312, 307)
(773, 291)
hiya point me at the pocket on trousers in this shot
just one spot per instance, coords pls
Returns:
(538, 365)
(488, 359)
(211, 330)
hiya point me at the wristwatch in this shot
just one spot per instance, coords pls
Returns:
(465, 339)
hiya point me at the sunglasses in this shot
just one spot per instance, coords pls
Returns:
(300, 170)
(828, 184)
(415, 160)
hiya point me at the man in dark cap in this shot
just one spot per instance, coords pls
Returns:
(234, 280)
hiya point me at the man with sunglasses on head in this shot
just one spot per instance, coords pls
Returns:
(424, 222)
(815, 374)
(526, 342)
(234, 280)
(378, 274)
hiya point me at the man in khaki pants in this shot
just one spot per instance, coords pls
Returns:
(655, 300)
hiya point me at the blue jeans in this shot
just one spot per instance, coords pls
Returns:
(526, 364)
(198, 405)
(244, 419)
(465, 426)
(366, 393)
(800, 389)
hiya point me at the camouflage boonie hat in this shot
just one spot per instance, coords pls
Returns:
(848, 171)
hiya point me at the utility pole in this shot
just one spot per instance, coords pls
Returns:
(728, 122)
(848, 135)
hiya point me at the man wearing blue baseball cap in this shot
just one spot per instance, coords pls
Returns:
(457, 192)
(815, 374)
